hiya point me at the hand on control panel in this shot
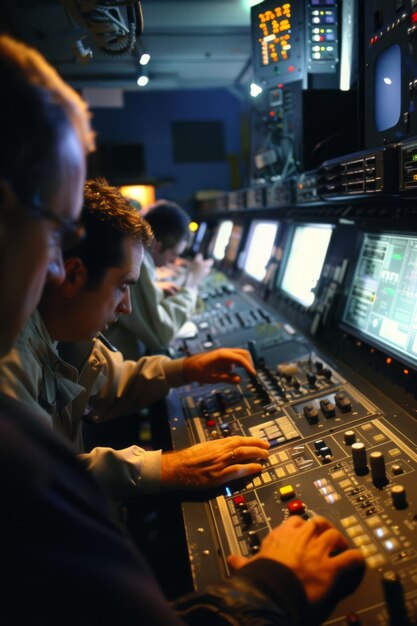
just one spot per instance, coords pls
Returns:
(217, 366)
(318, 555)
(211, 464)
(169, 288)
(197, 270)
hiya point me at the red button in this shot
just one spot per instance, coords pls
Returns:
(238, 500)
(295, 507)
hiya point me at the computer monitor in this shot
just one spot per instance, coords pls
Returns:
(304, 262)
(258, 249)
(234, 244)
(220, 240)
(381, 305)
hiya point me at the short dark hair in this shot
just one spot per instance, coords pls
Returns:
(108, 218)
(39, 110)
(169, 222)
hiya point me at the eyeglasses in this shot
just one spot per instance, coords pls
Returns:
(69, 232)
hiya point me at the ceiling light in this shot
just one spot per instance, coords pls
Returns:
(142, 81)
(144, 58)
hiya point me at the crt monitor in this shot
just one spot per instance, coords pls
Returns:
(381, 305)
(304, 261)
(258, 249)
(220, 240)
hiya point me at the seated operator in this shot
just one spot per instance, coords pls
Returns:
(156, 317)
(58, 531)
(99, 272)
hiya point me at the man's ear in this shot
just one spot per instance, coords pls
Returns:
(75, 277)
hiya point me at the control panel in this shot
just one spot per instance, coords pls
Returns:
(337, 450)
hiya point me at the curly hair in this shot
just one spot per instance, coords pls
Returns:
(109, 219)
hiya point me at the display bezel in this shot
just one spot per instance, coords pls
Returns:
(370, 340)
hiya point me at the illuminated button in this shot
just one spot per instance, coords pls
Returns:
(295, 507)
(361, 540)
(391, 544)
(382, 532)
(265, 477)
(375, 521)
(346, 484)
(348, 521)
(286, 492)
(354, 531)
(375, 561)
(368, 549)
(291, 469)
(280, 472)
(210, 423)
(332, 498)
(283, 456)
(257, 482)
(238, 500)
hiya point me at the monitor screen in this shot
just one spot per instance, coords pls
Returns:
(387, 88)
(305, 261)
(199, 236)
(382, 301)
(221, 239)
(258, 248)
(234, 243)
(278, 41)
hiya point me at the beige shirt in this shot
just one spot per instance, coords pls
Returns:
(155, 319)
(59, 394)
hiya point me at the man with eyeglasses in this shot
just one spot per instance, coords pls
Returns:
(64, 556)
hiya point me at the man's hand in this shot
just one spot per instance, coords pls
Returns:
(169, 288)
(211, 464)
(314, 550)
(198, 269)
(217, 366)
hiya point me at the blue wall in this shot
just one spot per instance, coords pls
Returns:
(146, 118)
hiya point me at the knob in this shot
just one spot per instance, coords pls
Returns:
(328, 408)
(399, 498)
(327, 373)
(311, 414)
(311, 378)
(394, 599)
(254, 352)
(350, 437)
(359, 458)
(343, 402)
(378, 472)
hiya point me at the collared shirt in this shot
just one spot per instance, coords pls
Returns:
(60, 394)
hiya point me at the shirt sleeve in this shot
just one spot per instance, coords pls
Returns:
(121, 387)
(155, 319)
(125, 473)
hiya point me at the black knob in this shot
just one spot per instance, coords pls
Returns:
(359, 458)
(378, 472)
(394, 598)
